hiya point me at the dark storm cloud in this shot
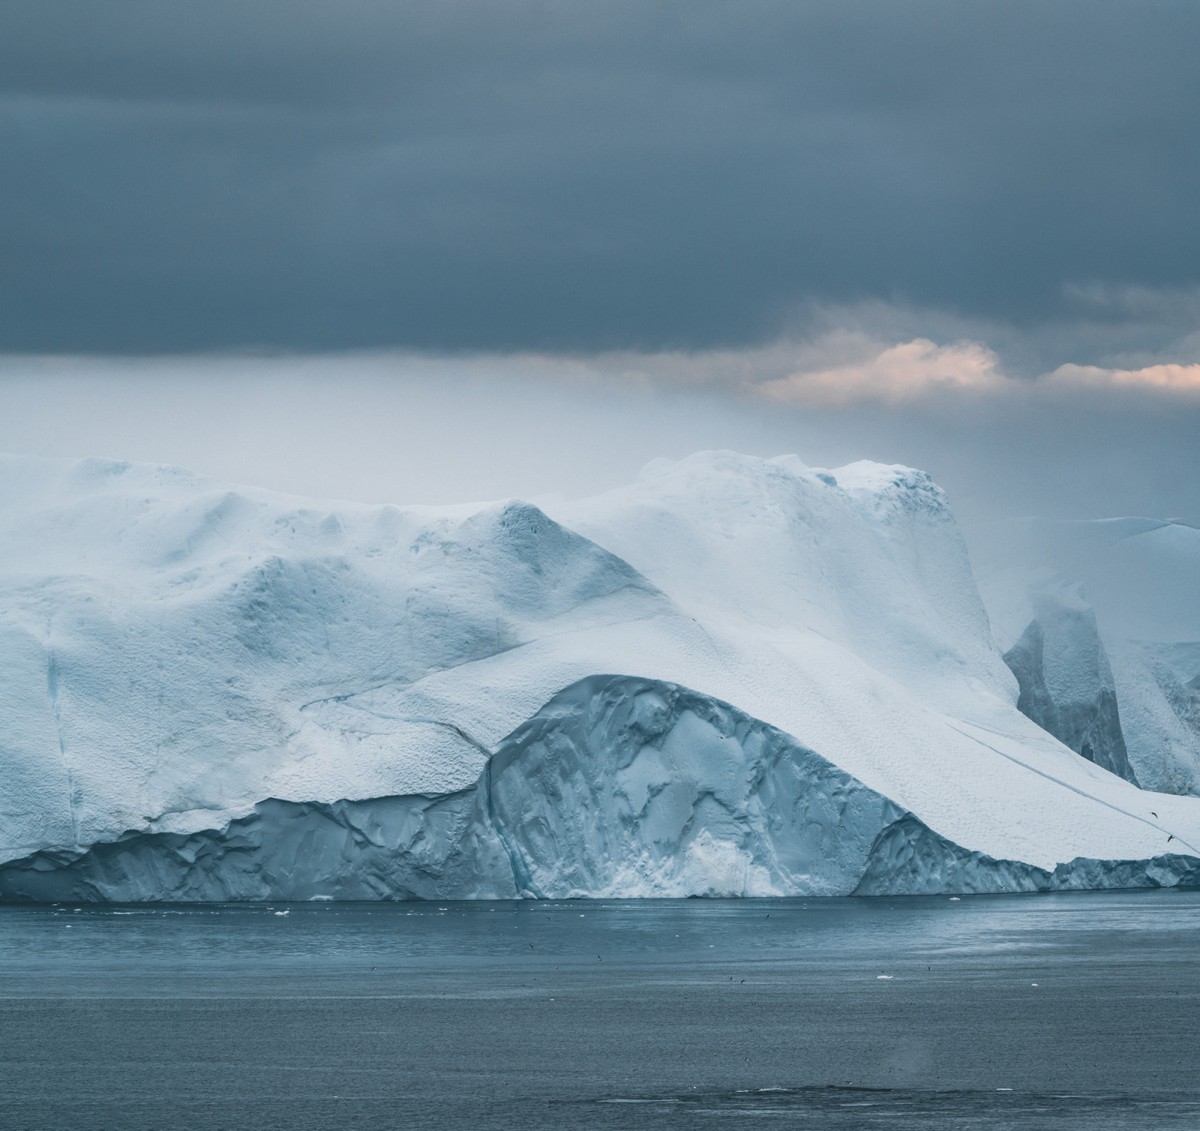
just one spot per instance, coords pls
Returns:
(572, 176)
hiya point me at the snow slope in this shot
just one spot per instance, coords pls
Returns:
(179, 658)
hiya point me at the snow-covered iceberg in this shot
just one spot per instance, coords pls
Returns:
(735, 676)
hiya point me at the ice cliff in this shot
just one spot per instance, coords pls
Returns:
(1066, 681)
(734, 676)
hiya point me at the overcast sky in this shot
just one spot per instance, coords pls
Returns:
(295, 242)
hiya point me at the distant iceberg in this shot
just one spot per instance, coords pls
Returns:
(1100, 622)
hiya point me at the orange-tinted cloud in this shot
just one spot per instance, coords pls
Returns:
(1169, 377)
(896, 373)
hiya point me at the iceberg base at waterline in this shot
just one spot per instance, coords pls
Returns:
(617, 788)
(735, 676)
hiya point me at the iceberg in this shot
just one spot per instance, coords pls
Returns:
(1066, 681)
(734, 676)
(1100, 623)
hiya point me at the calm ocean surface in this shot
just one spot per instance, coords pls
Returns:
(1048, 1012)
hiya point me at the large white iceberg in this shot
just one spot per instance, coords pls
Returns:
(735, 676)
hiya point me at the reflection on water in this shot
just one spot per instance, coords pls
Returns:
(1058, 1011)
(236, 935)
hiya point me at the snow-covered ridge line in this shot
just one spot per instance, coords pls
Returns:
(172, 651)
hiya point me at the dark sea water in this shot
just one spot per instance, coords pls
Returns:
(1049, 1012)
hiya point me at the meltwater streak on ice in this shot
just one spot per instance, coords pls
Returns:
(1157, 826)
(215, 651)
(1068, 1012)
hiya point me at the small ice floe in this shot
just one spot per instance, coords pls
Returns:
(955, 899)
(1034, 984)
(884, 977)
(282, 912)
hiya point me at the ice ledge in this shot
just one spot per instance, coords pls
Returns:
(618, 787)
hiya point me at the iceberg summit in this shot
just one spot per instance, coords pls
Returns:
(735, 676)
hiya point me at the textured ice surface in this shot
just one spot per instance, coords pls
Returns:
(1160, 715)
(189, 662)
(617, 787)
(639, 788)
(1066, 680)
(1121, 594)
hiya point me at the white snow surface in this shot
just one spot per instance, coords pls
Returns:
(174, 650)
